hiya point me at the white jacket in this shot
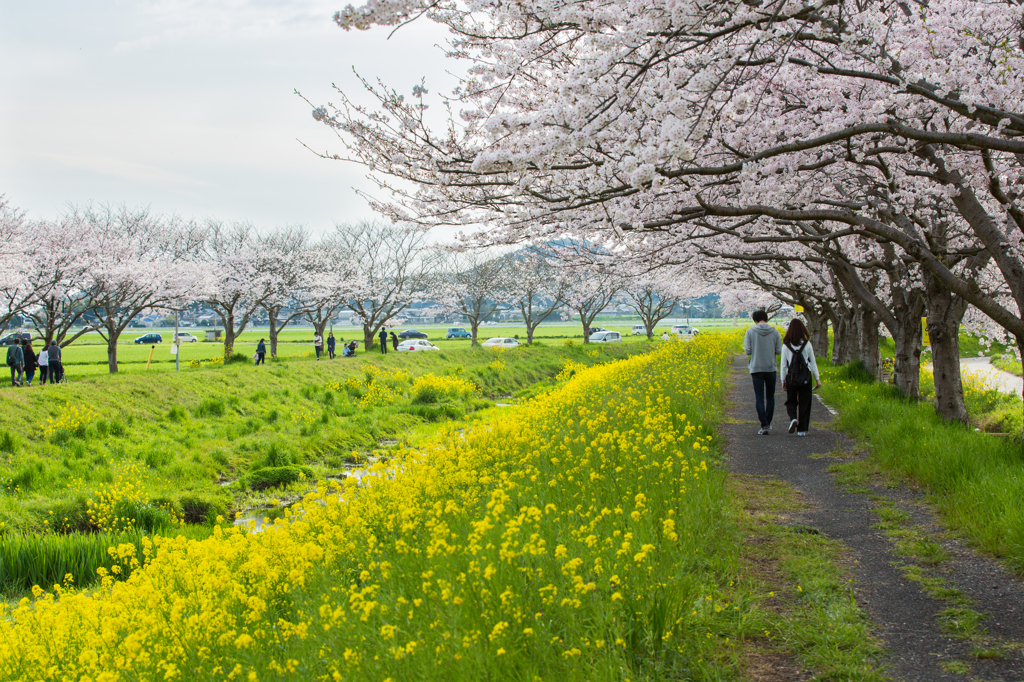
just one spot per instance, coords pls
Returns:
(44, 358)
(808, 353)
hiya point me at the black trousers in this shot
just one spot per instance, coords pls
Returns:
(798, 406)
(384, 347)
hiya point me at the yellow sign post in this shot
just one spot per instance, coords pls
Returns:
(151, 349)
(924, 332)
(798, 308)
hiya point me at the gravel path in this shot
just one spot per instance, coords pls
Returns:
(905, 617)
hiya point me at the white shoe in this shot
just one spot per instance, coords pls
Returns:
(792, 426)
(801, 433)
(763, 431)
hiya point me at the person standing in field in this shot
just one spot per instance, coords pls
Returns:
(762, 344)
(44, 365)
(30, 361)
(53, 357)
(797, 371)
(318, 344)
(383, 342)
(394, 341)
(16, 361)
(261, 353)
(331, 345)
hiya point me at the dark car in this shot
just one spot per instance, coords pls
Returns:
(149, 338)
(412, 334)
(458, 333)
(16, 336)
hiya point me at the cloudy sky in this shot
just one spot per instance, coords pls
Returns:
(188, 106)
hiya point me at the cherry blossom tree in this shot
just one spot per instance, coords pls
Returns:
(142, 262)
(392, 271)
(240, 277)
(287, 272)
(331, 281)
(15, 289)
(538, 288)
(473, 284)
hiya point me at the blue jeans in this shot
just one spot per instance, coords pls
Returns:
(764, 396)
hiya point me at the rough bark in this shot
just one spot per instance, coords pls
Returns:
(273, 335)
(868, 349)
(945, 311)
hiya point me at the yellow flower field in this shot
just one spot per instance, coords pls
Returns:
(583, 537)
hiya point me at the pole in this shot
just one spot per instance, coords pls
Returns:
(177, 349)
(151, 349)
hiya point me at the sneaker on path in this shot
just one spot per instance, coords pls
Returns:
(762, 431)
(792, 426)
(802, 433)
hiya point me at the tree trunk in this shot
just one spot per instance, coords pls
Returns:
(474, 328)
(273, 333)
(112, 336)
(817, 323)
(869, 354)
(945, 311)
(229, 336)
(844, 340)
(368, 336)
(529, 333)
(907, 360)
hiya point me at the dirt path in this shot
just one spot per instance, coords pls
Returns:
(928, 638)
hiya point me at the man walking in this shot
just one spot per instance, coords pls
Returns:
(383, 342)
(762, 345)
(16, 361)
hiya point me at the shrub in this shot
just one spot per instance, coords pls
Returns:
(275, 477)
(239, 357)
(275, 456)
(201, 510)
(429, 388)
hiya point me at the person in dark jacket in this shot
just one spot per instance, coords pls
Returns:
(394, 341)
(16, 361)
(30, 361)
(53, 355)
(383, 342)
(261, 353)
(331, 345)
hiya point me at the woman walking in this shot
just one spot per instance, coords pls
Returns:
(30, 362)
(44, 365)
(799, 376)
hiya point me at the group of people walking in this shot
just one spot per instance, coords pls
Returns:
(347, 350)
(799, 371)
(23, 361)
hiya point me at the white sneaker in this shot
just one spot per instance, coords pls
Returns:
(801, 433)
(762, 431)
(792, 426)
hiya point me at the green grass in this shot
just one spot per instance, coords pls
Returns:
(976, 479)
(190, 432)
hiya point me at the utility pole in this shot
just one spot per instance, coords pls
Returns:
(177, 345)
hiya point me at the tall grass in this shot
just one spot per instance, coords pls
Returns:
(48, 560)
(976, 479)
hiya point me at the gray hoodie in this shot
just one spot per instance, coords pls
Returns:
(762, 343)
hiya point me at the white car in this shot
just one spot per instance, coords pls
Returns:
(185, 337)
(500, 342)
(685, 330)
(605, 337)
(412, 345)
(639, 330)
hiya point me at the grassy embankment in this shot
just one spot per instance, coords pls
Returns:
(187, 434)
(586, 537)
(975, 479)
(88, 355)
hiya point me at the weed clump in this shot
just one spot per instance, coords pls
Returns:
(275, 477)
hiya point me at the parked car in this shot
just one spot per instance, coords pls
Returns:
(500, 342)
(639, 330)
(684, 330)
(185, 337)
(412, 345)
(150, 338)
(412, 334)
(458, 333)
(16, 336)
(605, 337)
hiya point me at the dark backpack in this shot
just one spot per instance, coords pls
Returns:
(799, 374)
